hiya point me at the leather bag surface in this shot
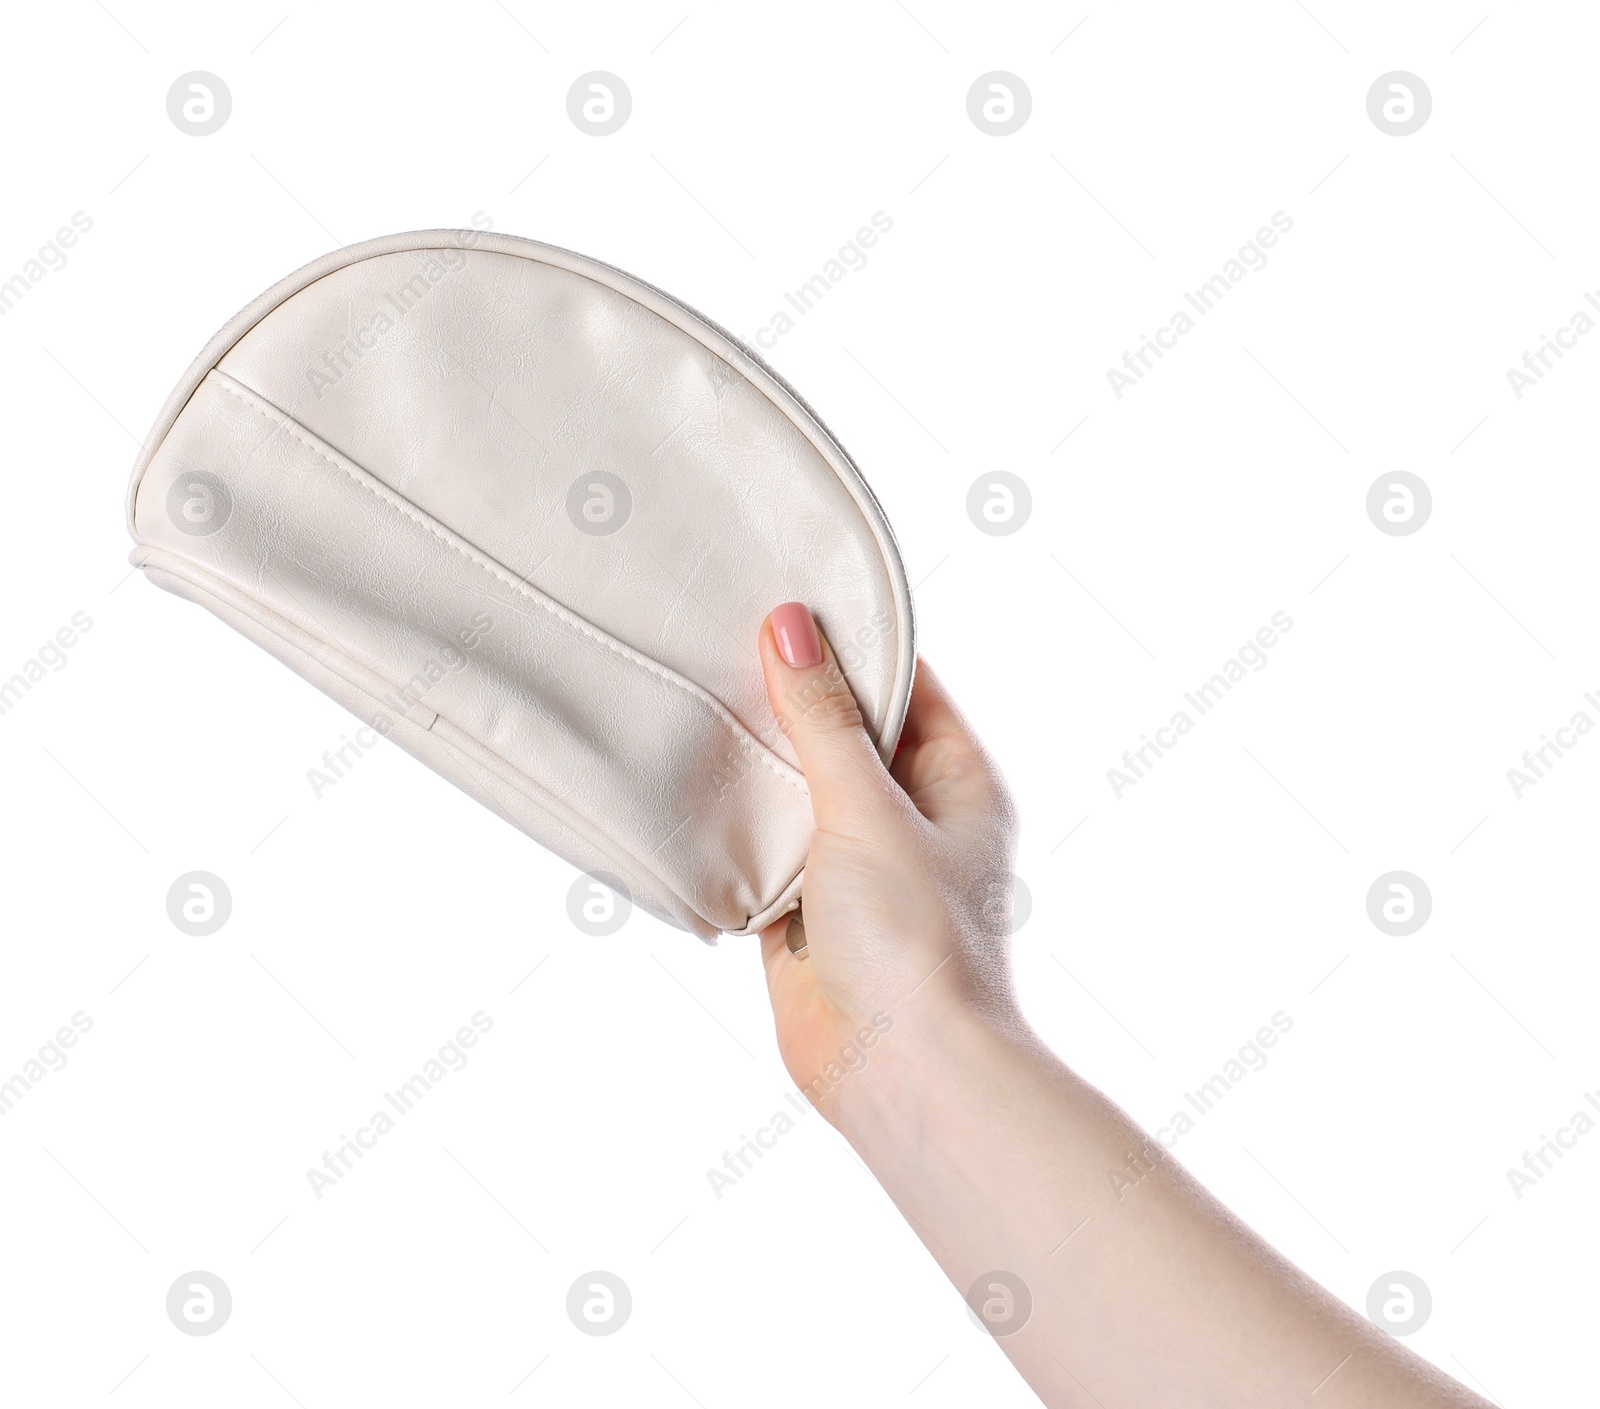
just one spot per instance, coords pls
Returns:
(523, 514)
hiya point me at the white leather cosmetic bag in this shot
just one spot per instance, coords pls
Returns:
(523, 514)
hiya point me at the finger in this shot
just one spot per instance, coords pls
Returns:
(943, 765)
(811, 699)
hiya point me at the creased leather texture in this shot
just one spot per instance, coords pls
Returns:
(523, 514)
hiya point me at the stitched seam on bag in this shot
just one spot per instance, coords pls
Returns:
(199, 577)
(414, 242)
(386, 495)
(549, 802)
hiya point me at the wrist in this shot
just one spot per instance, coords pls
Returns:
(929, 1065)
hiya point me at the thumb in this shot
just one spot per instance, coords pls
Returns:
(850, 787)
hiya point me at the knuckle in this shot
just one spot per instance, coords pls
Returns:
(836, 709)
(825, 702)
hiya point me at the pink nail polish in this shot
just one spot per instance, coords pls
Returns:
(796, 633)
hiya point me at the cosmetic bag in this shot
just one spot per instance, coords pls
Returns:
(523, 514)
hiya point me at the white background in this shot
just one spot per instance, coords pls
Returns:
(1228, 885)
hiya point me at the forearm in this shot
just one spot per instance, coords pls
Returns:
(1145, 1291)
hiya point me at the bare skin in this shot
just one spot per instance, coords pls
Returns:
(1146, 1293)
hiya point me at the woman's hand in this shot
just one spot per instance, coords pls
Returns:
(1108, 1275)
(910, 866)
